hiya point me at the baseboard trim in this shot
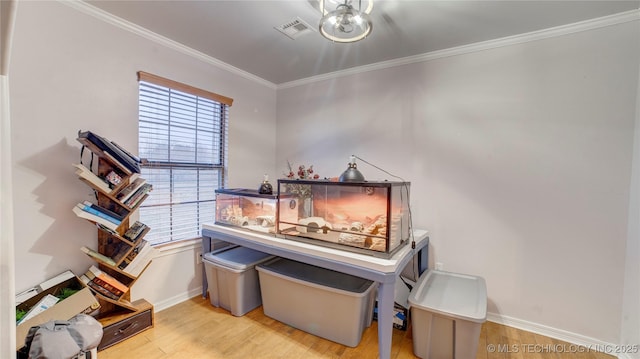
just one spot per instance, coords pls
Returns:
(170, 302)
(573, 338)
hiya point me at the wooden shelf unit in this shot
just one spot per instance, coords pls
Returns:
(115, 246)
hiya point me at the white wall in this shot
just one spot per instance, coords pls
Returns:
(7, 296)
(519, 159)
(7, 258)
(71, 71)
(630, 333)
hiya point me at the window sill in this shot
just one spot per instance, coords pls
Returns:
(178, 246)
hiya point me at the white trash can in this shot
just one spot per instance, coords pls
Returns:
(447, 312)
(233, 280)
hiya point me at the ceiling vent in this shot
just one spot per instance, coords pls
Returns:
(295, 28)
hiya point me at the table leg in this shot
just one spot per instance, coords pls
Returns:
(386, 293)
(423, 261)
(206, 248)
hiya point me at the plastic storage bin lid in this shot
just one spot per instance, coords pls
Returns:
(239, 258)
(453, 295)
(320, 276)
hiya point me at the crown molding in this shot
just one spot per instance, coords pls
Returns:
(141, 31)
(623, 17)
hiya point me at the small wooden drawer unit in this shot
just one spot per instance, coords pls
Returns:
(126, 328)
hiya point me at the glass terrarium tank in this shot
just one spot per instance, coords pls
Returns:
(365, 217)
(246, 208)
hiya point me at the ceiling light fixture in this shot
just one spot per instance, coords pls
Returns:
(346, 23)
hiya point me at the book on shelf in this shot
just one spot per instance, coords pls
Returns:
(139, 195)
(94, 218)
(107, 229)
(97, 213)
(133, 177)
(97, 288)
(113, 178)
(130, 190)
(138, 259)
(134, 231)
(118, 164)
(86, 174)
(107, 212)
(96, 255)
(99, 276)
(115, 153)
(121, 249)
(96, 276)
(136, 250)
(132, 255)
(133, 157)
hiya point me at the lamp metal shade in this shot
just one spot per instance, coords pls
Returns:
(351, 174)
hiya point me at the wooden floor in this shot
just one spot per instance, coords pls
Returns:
(194, 329)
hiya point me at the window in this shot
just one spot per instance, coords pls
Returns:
(183, 137)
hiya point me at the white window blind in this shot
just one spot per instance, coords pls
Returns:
(183, 137)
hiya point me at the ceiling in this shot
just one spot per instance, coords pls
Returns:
(241, 33)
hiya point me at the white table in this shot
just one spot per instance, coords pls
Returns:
(381, 270)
